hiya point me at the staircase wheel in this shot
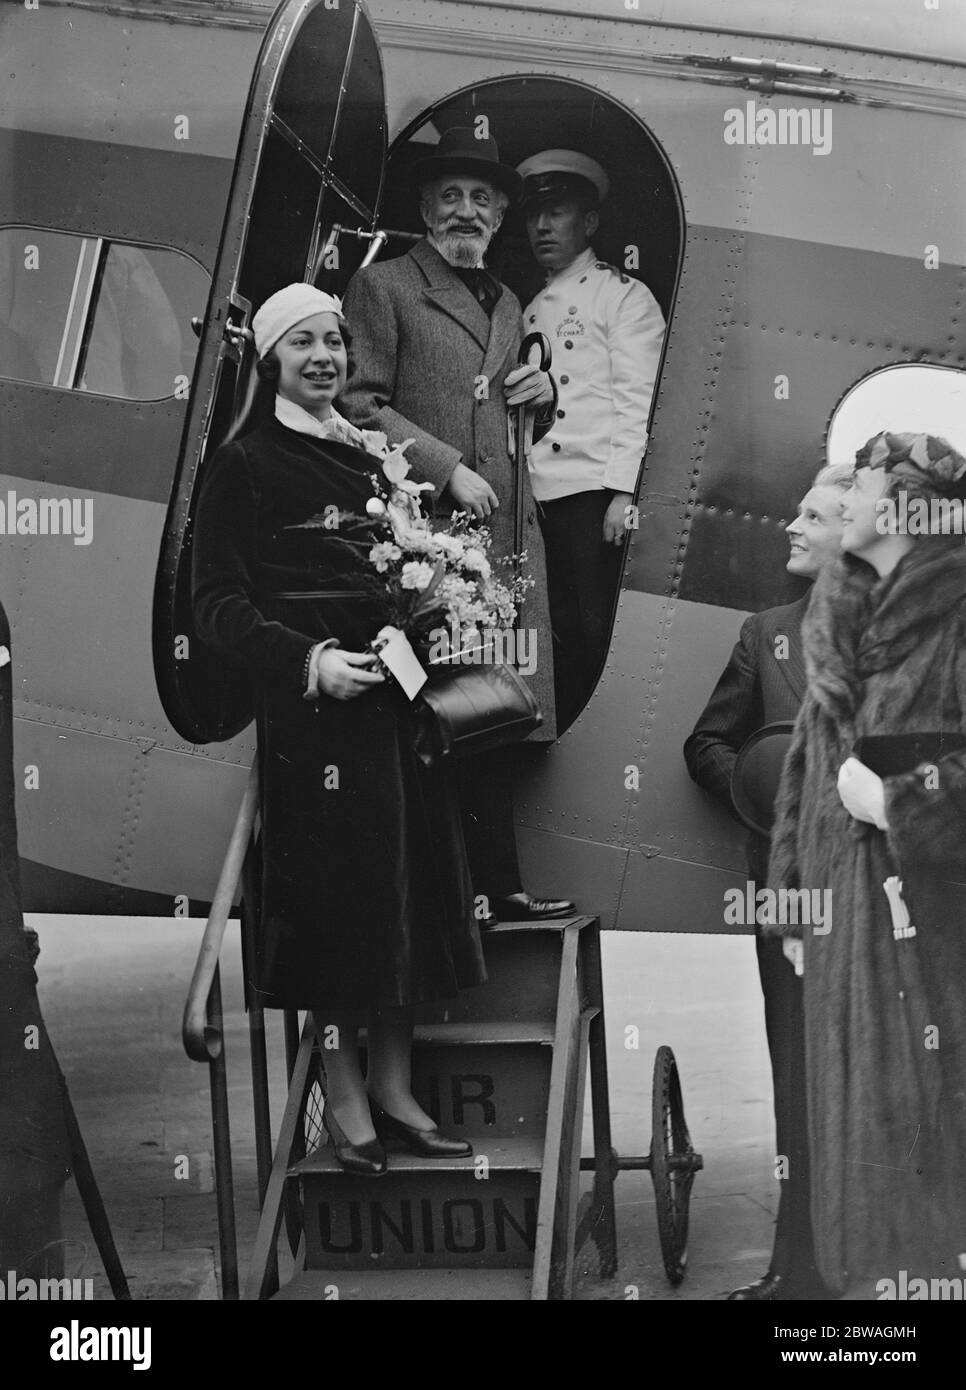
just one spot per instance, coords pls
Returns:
(672, 1168)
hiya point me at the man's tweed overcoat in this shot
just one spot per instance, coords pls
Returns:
(428, 365)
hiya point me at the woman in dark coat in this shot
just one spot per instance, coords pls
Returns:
(367, 906)
(885, 972)
(34, 1146)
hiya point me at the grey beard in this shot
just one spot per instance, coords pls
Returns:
(461, 250)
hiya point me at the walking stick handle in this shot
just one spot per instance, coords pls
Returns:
(534, 352)
(535, 342)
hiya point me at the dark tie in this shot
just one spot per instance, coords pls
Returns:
(483, 286)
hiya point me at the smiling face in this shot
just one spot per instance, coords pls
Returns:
(559, 231)
(861, 519)
(462, 212)
(312, 363)
(816, 533)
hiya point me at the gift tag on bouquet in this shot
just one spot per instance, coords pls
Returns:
(396, 654)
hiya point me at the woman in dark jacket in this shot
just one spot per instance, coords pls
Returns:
(872, 813)
(367, 906)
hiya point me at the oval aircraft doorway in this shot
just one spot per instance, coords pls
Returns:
(640, 236)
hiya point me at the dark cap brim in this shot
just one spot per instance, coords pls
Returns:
(566, 186)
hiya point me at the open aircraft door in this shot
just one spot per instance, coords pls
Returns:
(311, 159)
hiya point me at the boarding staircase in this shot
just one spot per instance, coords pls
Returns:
(506, 1067)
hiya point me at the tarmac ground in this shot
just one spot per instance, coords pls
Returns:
(113, 991)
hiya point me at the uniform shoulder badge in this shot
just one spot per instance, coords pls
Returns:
(606, 265)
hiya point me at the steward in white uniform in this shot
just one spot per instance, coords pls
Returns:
(606, 331)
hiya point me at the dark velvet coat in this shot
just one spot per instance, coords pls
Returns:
(34, 1150)
(420, 345)
(366, 897)
(885, 1018)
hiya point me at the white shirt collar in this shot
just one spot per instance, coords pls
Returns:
(576, 267)
(336, 426)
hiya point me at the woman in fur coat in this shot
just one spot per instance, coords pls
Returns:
(885, 971)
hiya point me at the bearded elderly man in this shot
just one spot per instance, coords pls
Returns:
(435, 338)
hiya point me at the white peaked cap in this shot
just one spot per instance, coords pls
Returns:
(539, 169)
(287, 307)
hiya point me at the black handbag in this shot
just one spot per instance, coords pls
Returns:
(464, 710)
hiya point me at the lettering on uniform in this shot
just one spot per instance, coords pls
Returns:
(570, 327)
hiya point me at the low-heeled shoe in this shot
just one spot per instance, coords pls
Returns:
(367, 1160)
(427, 1143)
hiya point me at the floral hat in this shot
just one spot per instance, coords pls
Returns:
(926, 459)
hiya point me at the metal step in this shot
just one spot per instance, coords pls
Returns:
(424, 1213)
(408, 1285)
(523, 965)
(481, 1089)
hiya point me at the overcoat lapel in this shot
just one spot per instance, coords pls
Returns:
(504, 333)
(446, 291)
(793, 667)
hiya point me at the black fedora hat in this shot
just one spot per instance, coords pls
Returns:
(462, 151)
(757, 773)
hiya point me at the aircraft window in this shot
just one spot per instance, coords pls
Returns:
(108, 318)
(910, 396)
(38, 274)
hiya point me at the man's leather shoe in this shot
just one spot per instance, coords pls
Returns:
(521, 907)
(489, 919)
(764, 1290)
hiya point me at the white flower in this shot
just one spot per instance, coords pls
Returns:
(416, 574)
(394, 465)
(449, 545)
(381, 554)
(474, 559)
(376, 442)
(414, 489)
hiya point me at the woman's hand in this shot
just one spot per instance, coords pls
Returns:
(344, 675)
(862, 793)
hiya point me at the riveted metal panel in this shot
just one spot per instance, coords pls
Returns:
(114, 190)
(666, 895)
(822, 317)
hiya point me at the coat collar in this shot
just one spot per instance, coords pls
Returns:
(445, 289)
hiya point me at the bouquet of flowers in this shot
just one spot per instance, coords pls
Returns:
(439, 585)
